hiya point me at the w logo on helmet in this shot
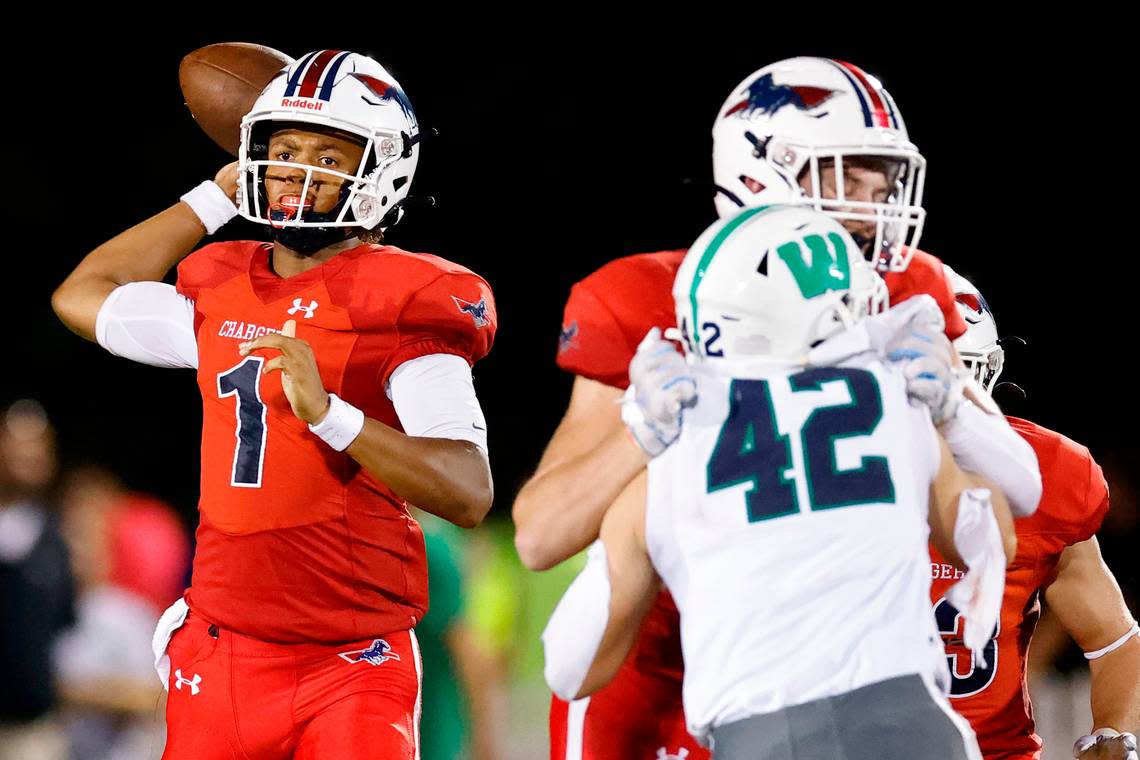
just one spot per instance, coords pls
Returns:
(829, 268)
(767, 97)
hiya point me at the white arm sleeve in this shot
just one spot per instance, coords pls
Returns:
(148, 322)
(985, 444)
(434, 397)
(571, 638)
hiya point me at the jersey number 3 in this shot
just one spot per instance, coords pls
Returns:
(751, 450)
(244, 381)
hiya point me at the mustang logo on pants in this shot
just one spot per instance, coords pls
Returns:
(376, 654)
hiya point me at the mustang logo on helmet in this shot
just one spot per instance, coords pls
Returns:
(975, 304)
(766, 97)
(387, 91)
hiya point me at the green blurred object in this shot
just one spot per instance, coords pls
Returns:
(507, 608)
(446, 718)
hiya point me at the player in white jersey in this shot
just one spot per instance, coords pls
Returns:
(790, 519)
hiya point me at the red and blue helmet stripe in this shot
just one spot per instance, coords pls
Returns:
(317, 69)
(878, 108)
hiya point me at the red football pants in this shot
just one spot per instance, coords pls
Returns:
(232, 696)
(638, 716)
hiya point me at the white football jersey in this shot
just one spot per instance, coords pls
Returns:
(789, 521)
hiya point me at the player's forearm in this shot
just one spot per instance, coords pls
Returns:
(449, 478)
(595, 625)
(146, 251)
(985, 444)
(559, 511)
(1116, 688)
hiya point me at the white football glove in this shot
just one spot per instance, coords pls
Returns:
(660, 386)
(1123, 743)
(927, 359)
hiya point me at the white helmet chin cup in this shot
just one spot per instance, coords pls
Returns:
(979, 346)
(791, 133)
(350, 93)
(772, 282)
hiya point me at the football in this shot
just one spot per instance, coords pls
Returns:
(221, 82)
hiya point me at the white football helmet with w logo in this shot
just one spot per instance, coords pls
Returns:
(772, 281)
(350, 93)
(789, 122)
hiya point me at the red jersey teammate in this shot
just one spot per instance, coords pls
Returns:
(336, 387)
(807, 130)
(1058, 558)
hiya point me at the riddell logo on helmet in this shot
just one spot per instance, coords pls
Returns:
(312, 105)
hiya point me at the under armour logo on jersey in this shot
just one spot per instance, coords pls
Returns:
(767, 97)
(568, 337)
(663, 754)
(307, 309)
(193, 683)
(478, 311)
(378, 653)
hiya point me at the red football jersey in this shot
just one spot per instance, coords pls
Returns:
(995, 698)
(609, 312)
(297, 542)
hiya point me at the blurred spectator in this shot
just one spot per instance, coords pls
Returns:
(463, 686)
(36, 591)
(507, 607)
(129, 554)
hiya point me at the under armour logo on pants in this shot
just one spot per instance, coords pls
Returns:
(191, 682)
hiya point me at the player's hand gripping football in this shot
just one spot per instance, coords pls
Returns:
(660, 386)
(300, 378)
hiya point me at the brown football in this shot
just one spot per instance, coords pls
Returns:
(221, 82)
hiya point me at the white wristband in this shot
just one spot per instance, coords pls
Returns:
(1133, 631)
(341, 425)
(211, 204)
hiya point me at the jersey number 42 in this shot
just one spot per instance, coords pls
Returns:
(751, 449)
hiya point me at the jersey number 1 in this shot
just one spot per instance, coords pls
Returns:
(751, 450)
(244, 381)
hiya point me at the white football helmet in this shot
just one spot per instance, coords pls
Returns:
(979, 346)
(344, 91)
(787, 119)
(772, 281)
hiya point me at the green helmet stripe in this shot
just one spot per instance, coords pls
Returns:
(707, 257)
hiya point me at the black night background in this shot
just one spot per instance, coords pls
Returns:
(560, 149)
